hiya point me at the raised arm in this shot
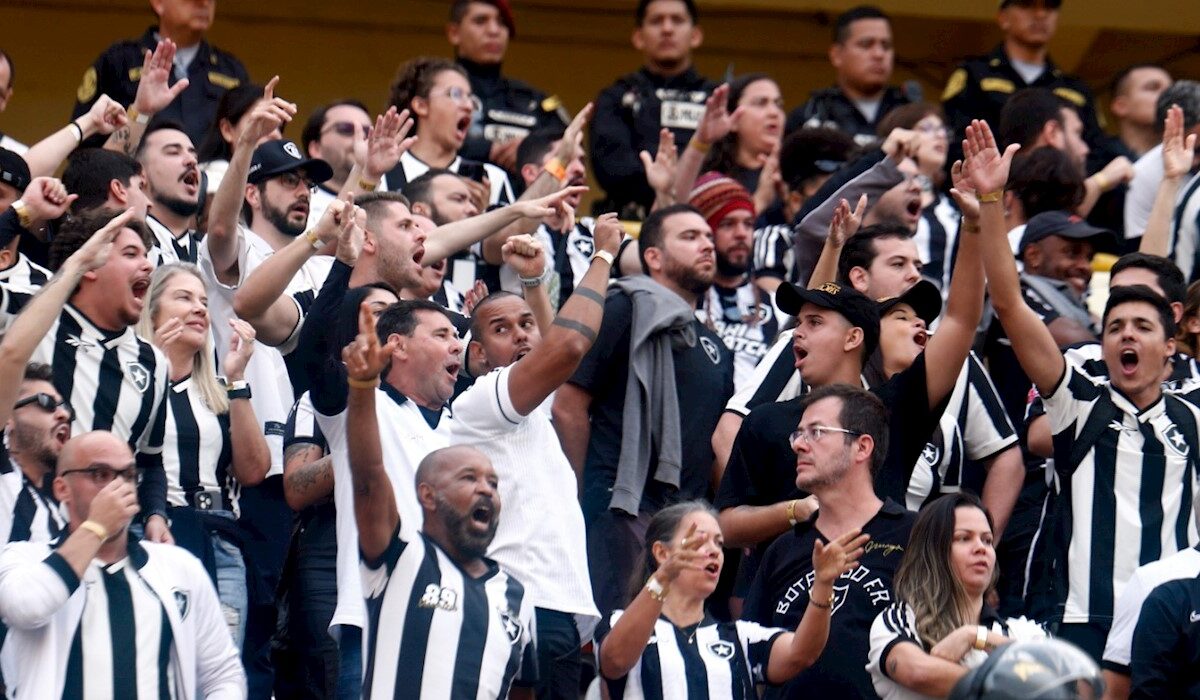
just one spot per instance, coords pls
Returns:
(104, 117)
(715, 124)
(985, 171)
(154, 94)
(528, 259)
(30, 327)
(265, 117)
(1031, 340)
(460, 235)
(546, 183)
(260, 298)
(1118, 172)
(534, 377)
(374, 502)
(1178, 154)
(793, 652)
(251, 458)
(622, 648)
(842, 226)
(661, 168)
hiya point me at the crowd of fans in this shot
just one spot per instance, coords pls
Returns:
(814, 404)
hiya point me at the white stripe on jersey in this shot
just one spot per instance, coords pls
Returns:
(119, 600)
(113, 383)
(466, 635)
(1139, 470)
(26, 513)
(948, 216)
(1185, 228)
(726, 660)
(774, 252)
(167, 247)
(194, 444)
(25, 273)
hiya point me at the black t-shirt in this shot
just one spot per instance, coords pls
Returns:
(703, 381)
(762, 466)
(779, 596)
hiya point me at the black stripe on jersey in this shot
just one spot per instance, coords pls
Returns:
(737, 688)
(936, 266)
(123, 629)
(1181, 416)
(1104, 518)
(417, 620)
(472, 640)
(166, 638)
(651, 673)
(108, 395)
(63, 360)
(73, 686)
(187, 439)
(773, 384)
(23, 513)
(513, 593)
(988, 398)
(146, 359)
(1150, 511)
(694, 670)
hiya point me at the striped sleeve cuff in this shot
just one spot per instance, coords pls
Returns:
(60, 566)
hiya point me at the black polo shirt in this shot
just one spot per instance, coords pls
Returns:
(779, 596)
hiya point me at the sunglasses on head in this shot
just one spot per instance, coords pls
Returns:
(347, 129)
(46, 402)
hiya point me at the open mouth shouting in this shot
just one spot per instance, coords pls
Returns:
(460, 128)
(191, 182)
(921, 337)
(139, 287)
(1129, 362)
(482, 513)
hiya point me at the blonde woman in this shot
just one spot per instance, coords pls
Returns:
(939, 629)
(213, 443)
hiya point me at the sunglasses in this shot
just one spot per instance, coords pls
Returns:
(46, 402)
(347, 129)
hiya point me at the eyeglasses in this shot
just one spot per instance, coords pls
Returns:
(102, 474)
(935, 130)
(347, 129)
(459, 95)
(290, 181)
(46, 402)
(814, 433)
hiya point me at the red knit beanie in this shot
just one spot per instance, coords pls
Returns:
(716, 195)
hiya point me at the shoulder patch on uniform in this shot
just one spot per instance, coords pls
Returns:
(997, 85)
(87, 87)
(1073, 96)
(135, 73)
(551, 103)
(223, 81)
(956, 84)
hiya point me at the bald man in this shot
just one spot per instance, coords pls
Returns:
(146, 616)
(437, 590)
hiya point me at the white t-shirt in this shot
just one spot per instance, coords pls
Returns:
(271, 389)
(540, 537)
(1182, 564)
(1142, 190)
(405, 438)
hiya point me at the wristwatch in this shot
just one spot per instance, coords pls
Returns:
(239, 389)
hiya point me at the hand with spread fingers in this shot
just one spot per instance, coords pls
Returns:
(660, 170)
(717, 121)
(845, 223)
(154, 92)
(838, 556)
(687, 556)
(389, 140)
(985, 165)
(1178, 153)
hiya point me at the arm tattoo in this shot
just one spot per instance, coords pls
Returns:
(311, 473)
(121, 138)
(590, 294)
(577, 327)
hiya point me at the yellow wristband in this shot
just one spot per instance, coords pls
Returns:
(791, 513)
(981, 635)
(555, 167)
(1101, 181)
(23, 216)
(698, 145)
(312, 238)
(991, 197)
(362, 383)
(366, 185)
(95, 528)
(136, 116)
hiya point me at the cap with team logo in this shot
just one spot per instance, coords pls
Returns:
(924, 298)
(273, 158)
(14, 172)
(1066, 225)
(855, 306)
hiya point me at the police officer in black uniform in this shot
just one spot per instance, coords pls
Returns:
(210, 71)
(665, 92)
(979, 87)
(507, 109)
(863, 55)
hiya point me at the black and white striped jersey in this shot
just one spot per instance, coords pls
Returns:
(167, 247)
(196, 448)
(122, 646)
(113, 381)
(28, 511)
(937, 240)
(707, 660)
(25, 273)
(1128, 481)
(433, 631)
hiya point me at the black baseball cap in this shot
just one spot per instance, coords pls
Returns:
(1067, 225)
(924, 297)
(14, 171)
(852, 304)
(281, 156)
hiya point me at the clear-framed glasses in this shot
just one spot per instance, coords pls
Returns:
(814, 433)
(459, 95)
